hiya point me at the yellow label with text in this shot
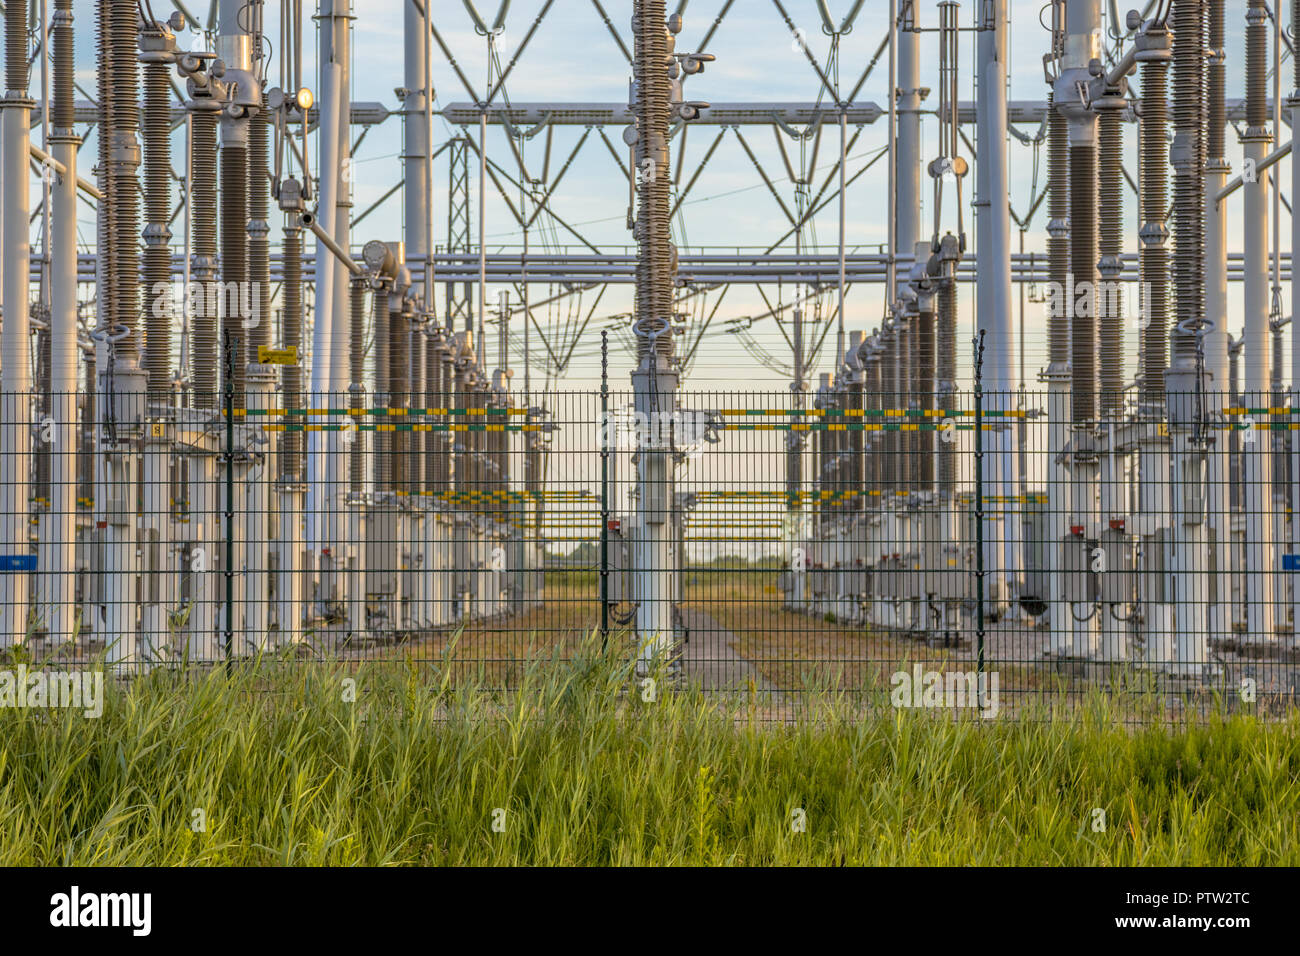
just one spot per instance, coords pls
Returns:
(269, 356)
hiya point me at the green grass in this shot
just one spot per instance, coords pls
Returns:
(286, 771)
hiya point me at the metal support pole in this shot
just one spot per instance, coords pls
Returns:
(323, 451)
(993, 285)
(1256, 465)
(15, 422)
(61, 542)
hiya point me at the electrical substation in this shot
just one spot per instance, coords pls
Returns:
(242, 417)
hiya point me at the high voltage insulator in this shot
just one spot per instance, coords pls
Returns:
(1153, 55)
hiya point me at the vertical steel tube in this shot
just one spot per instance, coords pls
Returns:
(327, 489)
(416, 229)
(1256, 479)
(60, 559)
(993, 268)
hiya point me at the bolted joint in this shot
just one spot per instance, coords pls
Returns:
(205, 96)
(156, 234)
(1110, 266)
(1073, 94)
(1153, 234)
(1182, 153)
(123, 150)
(1113, 98)
(1153, 43)
(258, 229)
(949, 254)
(290, 197)
(245, 90)
(1058, 228)
(204, 266)
(157, 47)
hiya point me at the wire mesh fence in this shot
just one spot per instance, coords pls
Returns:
(987, 555)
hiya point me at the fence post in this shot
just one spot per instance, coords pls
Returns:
(979, 506)
(229, 396)
(604, 489)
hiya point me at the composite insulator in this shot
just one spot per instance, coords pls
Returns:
(1083, 266)
(86, 457)
(291, 336)
(64, 68)
(656, 258)
(1256, 60)
(259, 233)
(16, 47)
(1110, 332)
(434, 479)
(1216, 71)
(1190, 36)
(1154, 235)
(870, 400)
(399, 390)
(205, 362)
(1295, 28)
(234, 259)
(925, 358)
(415, 399)
(466, 465)
(105, 209)
(157, 273)
(445, 460)
(123, 162)
(383, 385)
(946, 367)
(888, 395)
(357, 331)
(1058, 229)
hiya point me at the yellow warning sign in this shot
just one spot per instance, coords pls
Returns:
(269, 356)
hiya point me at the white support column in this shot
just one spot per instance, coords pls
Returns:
(1153, 526)
(906, 238)
(1218, 500)
(204, 535)
(121, 559)
(993, 291)
(416, 197)
(15, 372)
(1256, 475)
(158, 563)
(290, 592)
(256, 635)
(60, 540)
(329, 379)
(1188, 578)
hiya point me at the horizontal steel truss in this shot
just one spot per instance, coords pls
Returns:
(575, 268)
